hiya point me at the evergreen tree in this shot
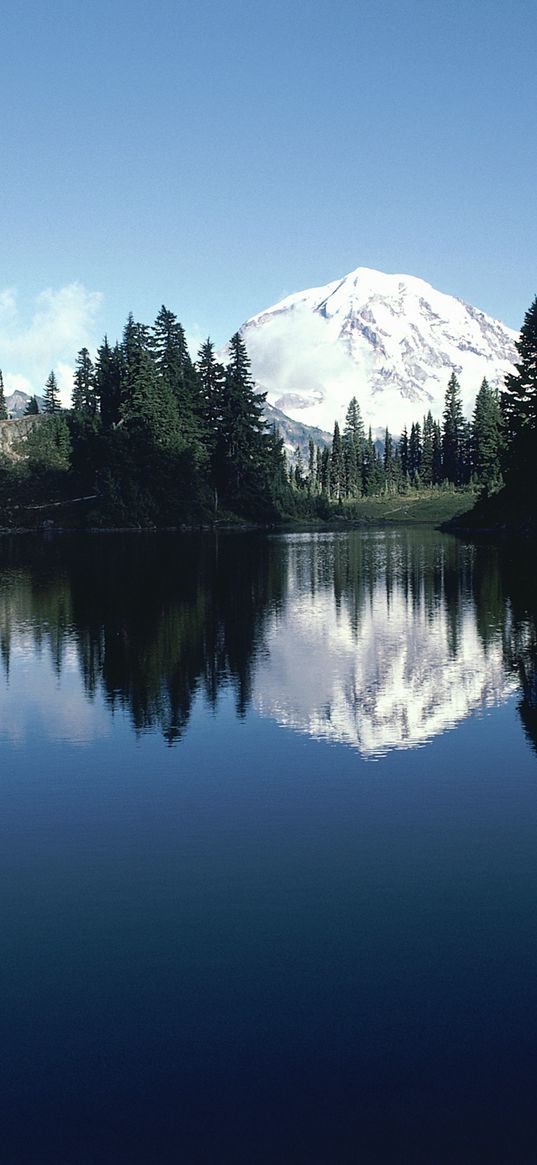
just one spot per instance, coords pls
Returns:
(372, 471)
(3, 406)
(211, 380)
(135, 343)
(243, 443)
(51, 396)
(427, 450)
(353, 449)
(389, 461)
(438, 472)
(414, 453)
(108, 381)
(453, 433)
(48, 445)
(337, 465)
(32, 408)
(299, 469)
(311, 466)
(519, 406)
(403, 452)
(318, 469)
(142, 409)
(325, 471)
(84, 396)
(487, 438)
(177, 373)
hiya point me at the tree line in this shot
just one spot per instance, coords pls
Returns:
(455, 452)
(159, 436)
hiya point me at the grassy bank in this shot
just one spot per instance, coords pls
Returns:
(431, 507)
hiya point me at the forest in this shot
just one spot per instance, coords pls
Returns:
(153, 438)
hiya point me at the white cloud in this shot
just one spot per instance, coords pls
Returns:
(49, 337)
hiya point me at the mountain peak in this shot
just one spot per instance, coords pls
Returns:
(390, 340)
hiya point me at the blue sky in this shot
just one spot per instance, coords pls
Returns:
(215, 157)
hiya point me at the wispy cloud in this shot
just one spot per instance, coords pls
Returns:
(47, 337)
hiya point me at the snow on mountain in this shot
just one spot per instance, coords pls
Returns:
(390, 340)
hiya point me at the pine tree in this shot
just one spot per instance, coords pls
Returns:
(337, 465)
(373, 470)
(453, 433)
(519, 406)
(211, 379)
(427, 450)
(325, 471)
(51, 396)
(108, 380)
(32, 407)
(142, 409)
(243, 442)
(389, 462)
(84, 397)
(3, 406)
(318, 469)
(414, 453)
(438, 472)
(353, 449)
(403, 453)
(299, 469)
(177, 373)
(487, 438)
(311, 466)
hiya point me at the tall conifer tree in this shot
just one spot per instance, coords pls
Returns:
(519, 406)
(51, 396)
(3, 406)
(453, 433)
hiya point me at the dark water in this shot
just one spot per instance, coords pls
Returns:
(269, 850)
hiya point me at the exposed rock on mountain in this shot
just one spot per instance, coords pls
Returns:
(11, 432)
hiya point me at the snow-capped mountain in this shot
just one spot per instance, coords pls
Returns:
(390, 340)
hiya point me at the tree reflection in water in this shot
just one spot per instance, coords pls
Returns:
(155, 619)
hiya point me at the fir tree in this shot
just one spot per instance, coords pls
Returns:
(243, 445)
(427, 450)
(389, 462)
(403, 452)
(487, 438)
(176, 371)
(211, 380)
(337, 465)
(311, 466)
(453, 433)
(3, 406)
(299, 469)
(353, 449)
(519, 406)
(51, 396)
(437, 454)
(32, 407)
(108, 380)
(325, 471)
(318, 469)
(84, 397)
(414, 453)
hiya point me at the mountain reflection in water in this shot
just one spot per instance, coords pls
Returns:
(379, 639)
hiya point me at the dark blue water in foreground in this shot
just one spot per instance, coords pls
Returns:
(268, 812)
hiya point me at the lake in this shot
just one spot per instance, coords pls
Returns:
(269, 846)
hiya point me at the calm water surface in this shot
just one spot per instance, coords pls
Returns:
(269, 850)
